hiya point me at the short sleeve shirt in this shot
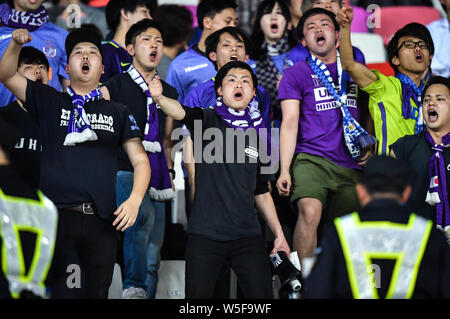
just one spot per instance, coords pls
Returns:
(223, 207)
(385, 107)
(86, 172)
(320, 130)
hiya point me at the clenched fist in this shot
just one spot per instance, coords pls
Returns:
(21, 36)
(155, 88)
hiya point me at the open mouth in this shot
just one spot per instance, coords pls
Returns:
(274, 27)
(238, 96)
(153, 56)
(320, 40)
(432, 115)
(233, 58)
(419, 57)
(85, 68)
(39, 79)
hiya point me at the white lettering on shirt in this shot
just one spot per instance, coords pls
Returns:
(98, 121)
(196, 67)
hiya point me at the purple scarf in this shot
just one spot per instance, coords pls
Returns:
(245, 119)
(160, 185)
(31, 20)
(437, 192)
(79, 129)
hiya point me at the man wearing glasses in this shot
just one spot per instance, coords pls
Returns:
(395, 103)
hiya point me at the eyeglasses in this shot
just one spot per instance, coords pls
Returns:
(410, 44)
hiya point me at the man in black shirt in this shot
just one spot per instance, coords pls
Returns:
(27, 153)
(81, 134)
(231, 180)
(142, 242)
(382, 251)
(428, 154)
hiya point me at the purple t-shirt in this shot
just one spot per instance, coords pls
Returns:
(320, 122)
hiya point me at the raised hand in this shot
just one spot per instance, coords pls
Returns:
(345, 15)
(21, 36)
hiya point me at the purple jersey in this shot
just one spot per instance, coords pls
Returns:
(320, 122)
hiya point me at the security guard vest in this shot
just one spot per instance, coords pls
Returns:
(40, 217)
(362, 241)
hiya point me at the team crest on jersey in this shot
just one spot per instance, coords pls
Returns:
(49, 49)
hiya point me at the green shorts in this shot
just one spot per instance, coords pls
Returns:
(332, 184)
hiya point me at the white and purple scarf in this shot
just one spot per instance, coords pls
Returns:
(437, 191)
(31, 21)
(356, 138)
(250, 117)
(79, 129)
(160, 185)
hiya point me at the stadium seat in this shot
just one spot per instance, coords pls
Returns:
(359, 23)
(371, 46)
(384, 68)
(395, 18)
(193, 10)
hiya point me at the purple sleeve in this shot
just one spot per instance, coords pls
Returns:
(290, 87)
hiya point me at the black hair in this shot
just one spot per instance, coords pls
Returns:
(138, 28)
(93, 27)
(313, 12)
(83, 35)
(209, 8)
(383, 174)
(176, 23)
(113, 8)
(212, 40)
(257, 36)
(308, 4)
(31, 55)
(412, 29)
(233, 65)
(436, 80)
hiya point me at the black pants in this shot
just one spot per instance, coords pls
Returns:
(247, 257)
(86, 245)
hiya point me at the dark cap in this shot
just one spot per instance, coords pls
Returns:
(383, 174)
(313, 12)
(82, 35)
(8, 135)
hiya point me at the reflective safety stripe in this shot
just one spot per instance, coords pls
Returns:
(362, 241)
(39, 217)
